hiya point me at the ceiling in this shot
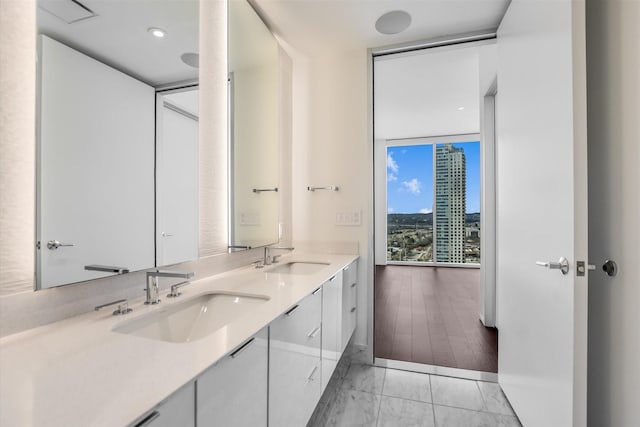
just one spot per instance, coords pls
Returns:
(317, 25)
(427, 93)
(118, 35)
(418, 94)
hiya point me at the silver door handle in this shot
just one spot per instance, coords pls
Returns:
(562, 265)
(313, 333)
(54, 244)
(312, 373)
(106, 268)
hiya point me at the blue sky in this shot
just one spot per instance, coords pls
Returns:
(410, 177)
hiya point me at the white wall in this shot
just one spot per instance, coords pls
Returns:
(17, 143)
(613, 61)
(331, 146)
(487, 62)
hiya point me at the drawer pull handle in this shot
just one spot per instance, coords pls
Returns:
(332, 279)
(291, 310)
(316, 291)
(313, 333)
(353, 309)
(312, 373)
(242, 348)
(353, 285)
(147, 421)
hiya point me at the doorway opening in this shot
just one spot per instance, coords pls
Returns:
(429, 290)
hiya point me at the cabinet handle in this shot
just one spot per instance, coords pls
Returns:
(353, 309)
(313, 333)
(353, 285)
(291, 310)
(147, 421)
(242, 348)
(316, 291)
(312, 373)
(332, 279)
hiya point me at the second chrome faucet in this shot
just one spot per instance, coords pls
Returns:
(152, 289)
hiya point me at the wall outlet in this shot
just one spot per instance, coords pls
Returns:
(353, 218)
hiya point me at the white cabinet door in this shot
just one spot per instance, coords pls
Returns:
(542, 211)
(177, 410)
(294, 363)
(349, 298)
(233, 392)
(331, 326)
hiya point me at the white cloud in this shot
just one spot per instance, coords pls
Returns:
(391, 164)
(391, 177)
(412, 186)
(390, 210)
(425, 210)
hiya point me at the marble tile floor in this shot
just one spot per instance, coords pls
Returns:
(362, 395)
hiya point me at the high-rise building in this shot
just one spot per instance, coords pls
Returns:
(451, 183)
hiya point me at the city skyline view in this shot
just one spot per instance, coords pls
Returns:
(410, 178)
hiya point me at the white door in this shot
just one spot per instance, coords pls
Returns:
(95, 183)
(542, 211)
(177, 177)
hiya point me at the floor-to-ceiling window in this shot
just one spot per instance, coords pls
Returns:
(433, 201)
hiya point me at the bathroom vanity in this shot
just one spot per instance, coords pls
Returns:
(231, 349)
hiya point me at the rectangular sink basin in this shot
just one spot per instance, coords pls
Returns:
(299, 267)
(193, 319)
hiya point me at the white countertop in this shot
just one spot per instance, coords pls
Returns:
(78, 372)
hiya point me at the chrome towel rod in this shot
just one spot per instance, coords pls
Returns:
(260, 190)
(331, 187)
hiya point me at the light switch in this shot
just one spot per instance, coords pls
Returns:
(348, 218)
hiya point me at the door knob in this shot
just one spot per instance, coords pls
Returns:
(562, 265)
(54, 244)
(610, 267)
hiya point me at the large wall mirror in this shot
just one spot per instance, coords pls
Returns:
(117, 184)
(117, 173)
(254, 143)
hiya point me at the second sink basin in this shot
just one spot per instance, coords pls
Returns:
(192, 319)
(299, 267)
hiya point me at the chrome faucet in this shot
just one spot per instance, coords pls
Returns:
(153, 292)
(269, 258)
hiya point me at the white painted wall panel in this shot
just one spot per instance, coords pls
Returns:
(17, 144)
(331, 146)
(613, 61)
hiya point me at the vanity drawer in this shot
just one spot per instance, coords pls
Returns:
(177, 410)
(349, 304)
(294, 363)
(350, 273)
(300, 325)
(233, 392)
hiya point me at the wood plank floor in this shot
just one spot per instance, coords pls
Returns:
(430, 315)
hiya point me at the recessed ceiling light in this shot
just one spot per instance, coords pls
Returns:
(460, 108)
(157, 32)
(393, 22)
